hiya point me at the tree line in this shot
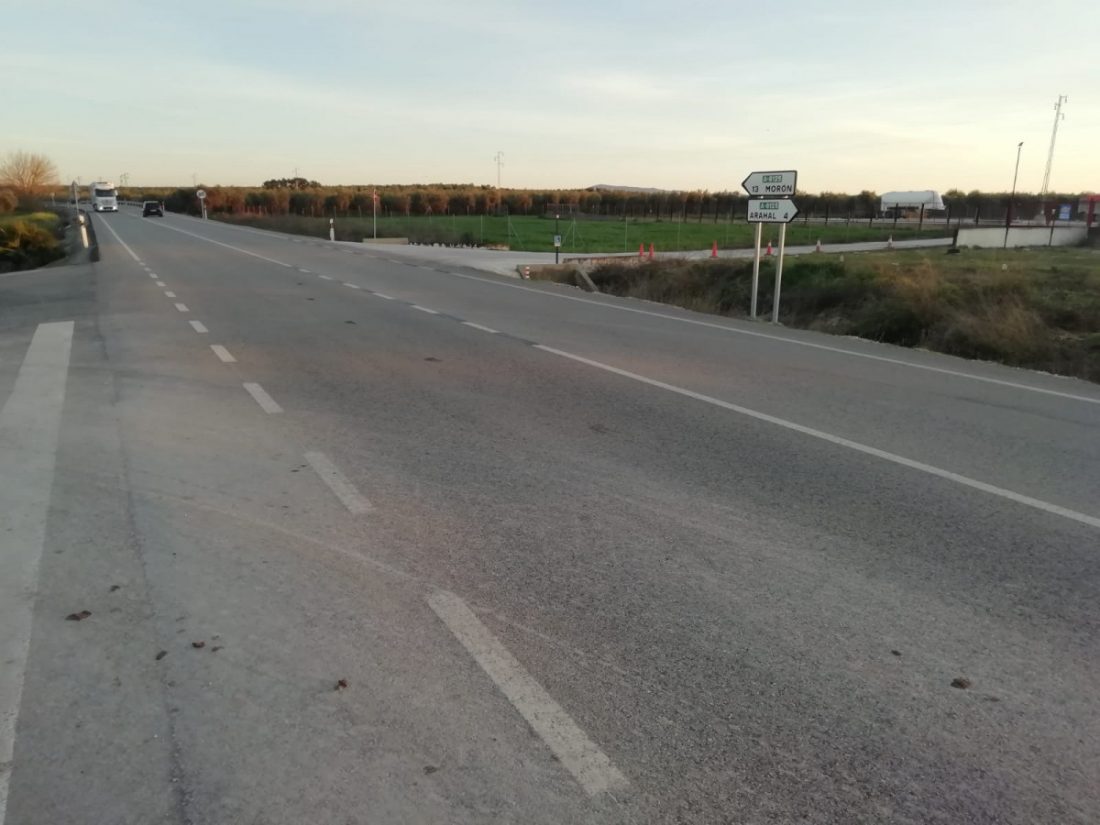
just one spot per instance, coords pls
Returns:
(297, 196)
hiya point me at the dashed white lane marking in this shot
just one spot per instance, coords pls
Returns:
(182, 307)
(326, 277)
(1038, 504)
(338, 483)
(383, 297)
(125, 246)
(153, 275)
(30, 422)
(589, 765)
(423, 309)
(199, 327)
(767, 336)
(472, 325)
(266, 402)
(168, 293)
(161, 284)
(304, 271)
(352, 286)
(223, 353)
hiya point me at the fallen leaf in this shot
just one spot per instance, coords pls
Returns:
(216, 648)
(960, 682)
(896, 652)
(341, 684)
(198, 645)
(115, 587)
(430, 769)
(76, 617)
(161, 655)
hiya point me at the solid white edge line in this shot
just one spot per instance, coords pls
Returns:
(199, 326)
(589, 765)
(259, 394)
(182, 307)
(223, 354)
(125, 246)
(226, 245)
(767, 336)
(1038, 504)
(352, 286)
(383, 297)
(30, 424)
(338, 483)
(472, 325)
(423, 309)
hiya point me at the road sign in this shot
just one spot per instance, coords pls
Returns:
(201, 194)
(775, 184)
(1065, 212)
(771, 210)
(557, 240)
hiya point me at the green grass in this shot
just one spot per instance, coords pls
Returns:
(1030, 308)
(535, 234)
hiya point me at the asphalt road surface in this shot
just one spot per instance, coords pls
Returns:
(296, 532)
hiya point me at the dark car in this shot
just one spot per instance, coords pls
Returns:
(152, 208)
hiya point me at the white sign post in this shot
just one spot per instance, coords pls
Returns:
(769, 202)
(201, 195)
(779, 272)
(756, 270)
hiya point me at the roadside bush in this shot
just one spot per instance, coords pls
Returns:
(27, 245)
(8, 201)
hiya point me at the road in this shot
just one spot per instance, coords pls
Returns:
(363, 539)
(509, 263)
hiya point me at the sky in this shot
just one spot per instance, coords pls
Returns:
(687, 95)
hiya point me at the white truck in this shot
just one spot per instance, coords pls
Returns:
(103, 196)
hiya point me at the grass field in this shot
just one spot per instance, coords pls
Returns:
(1035, 308)
(533, 234)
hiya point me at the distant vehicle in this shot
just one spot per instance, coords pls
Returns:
(103, 196)
(152, 208)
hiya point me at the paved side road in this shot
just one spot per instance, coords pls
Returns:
(365, 541)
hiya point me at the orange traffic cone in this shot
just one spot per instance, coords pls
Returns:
(768, 252)
(641, 250)
(714, 249)
(818, 247)
(651, 252)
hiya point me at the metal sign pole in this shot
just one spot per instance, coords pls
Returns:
(756, 270)
(779, 272)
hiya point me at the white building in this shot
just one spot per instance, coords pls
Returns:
(911, 201)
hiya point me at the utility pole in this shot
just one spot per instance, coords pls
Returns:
(1058, 117)
(1012, 199)
(499, 158)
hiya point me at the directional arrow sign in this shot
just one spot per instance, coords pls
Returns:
(771, 210)
(775, 184)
